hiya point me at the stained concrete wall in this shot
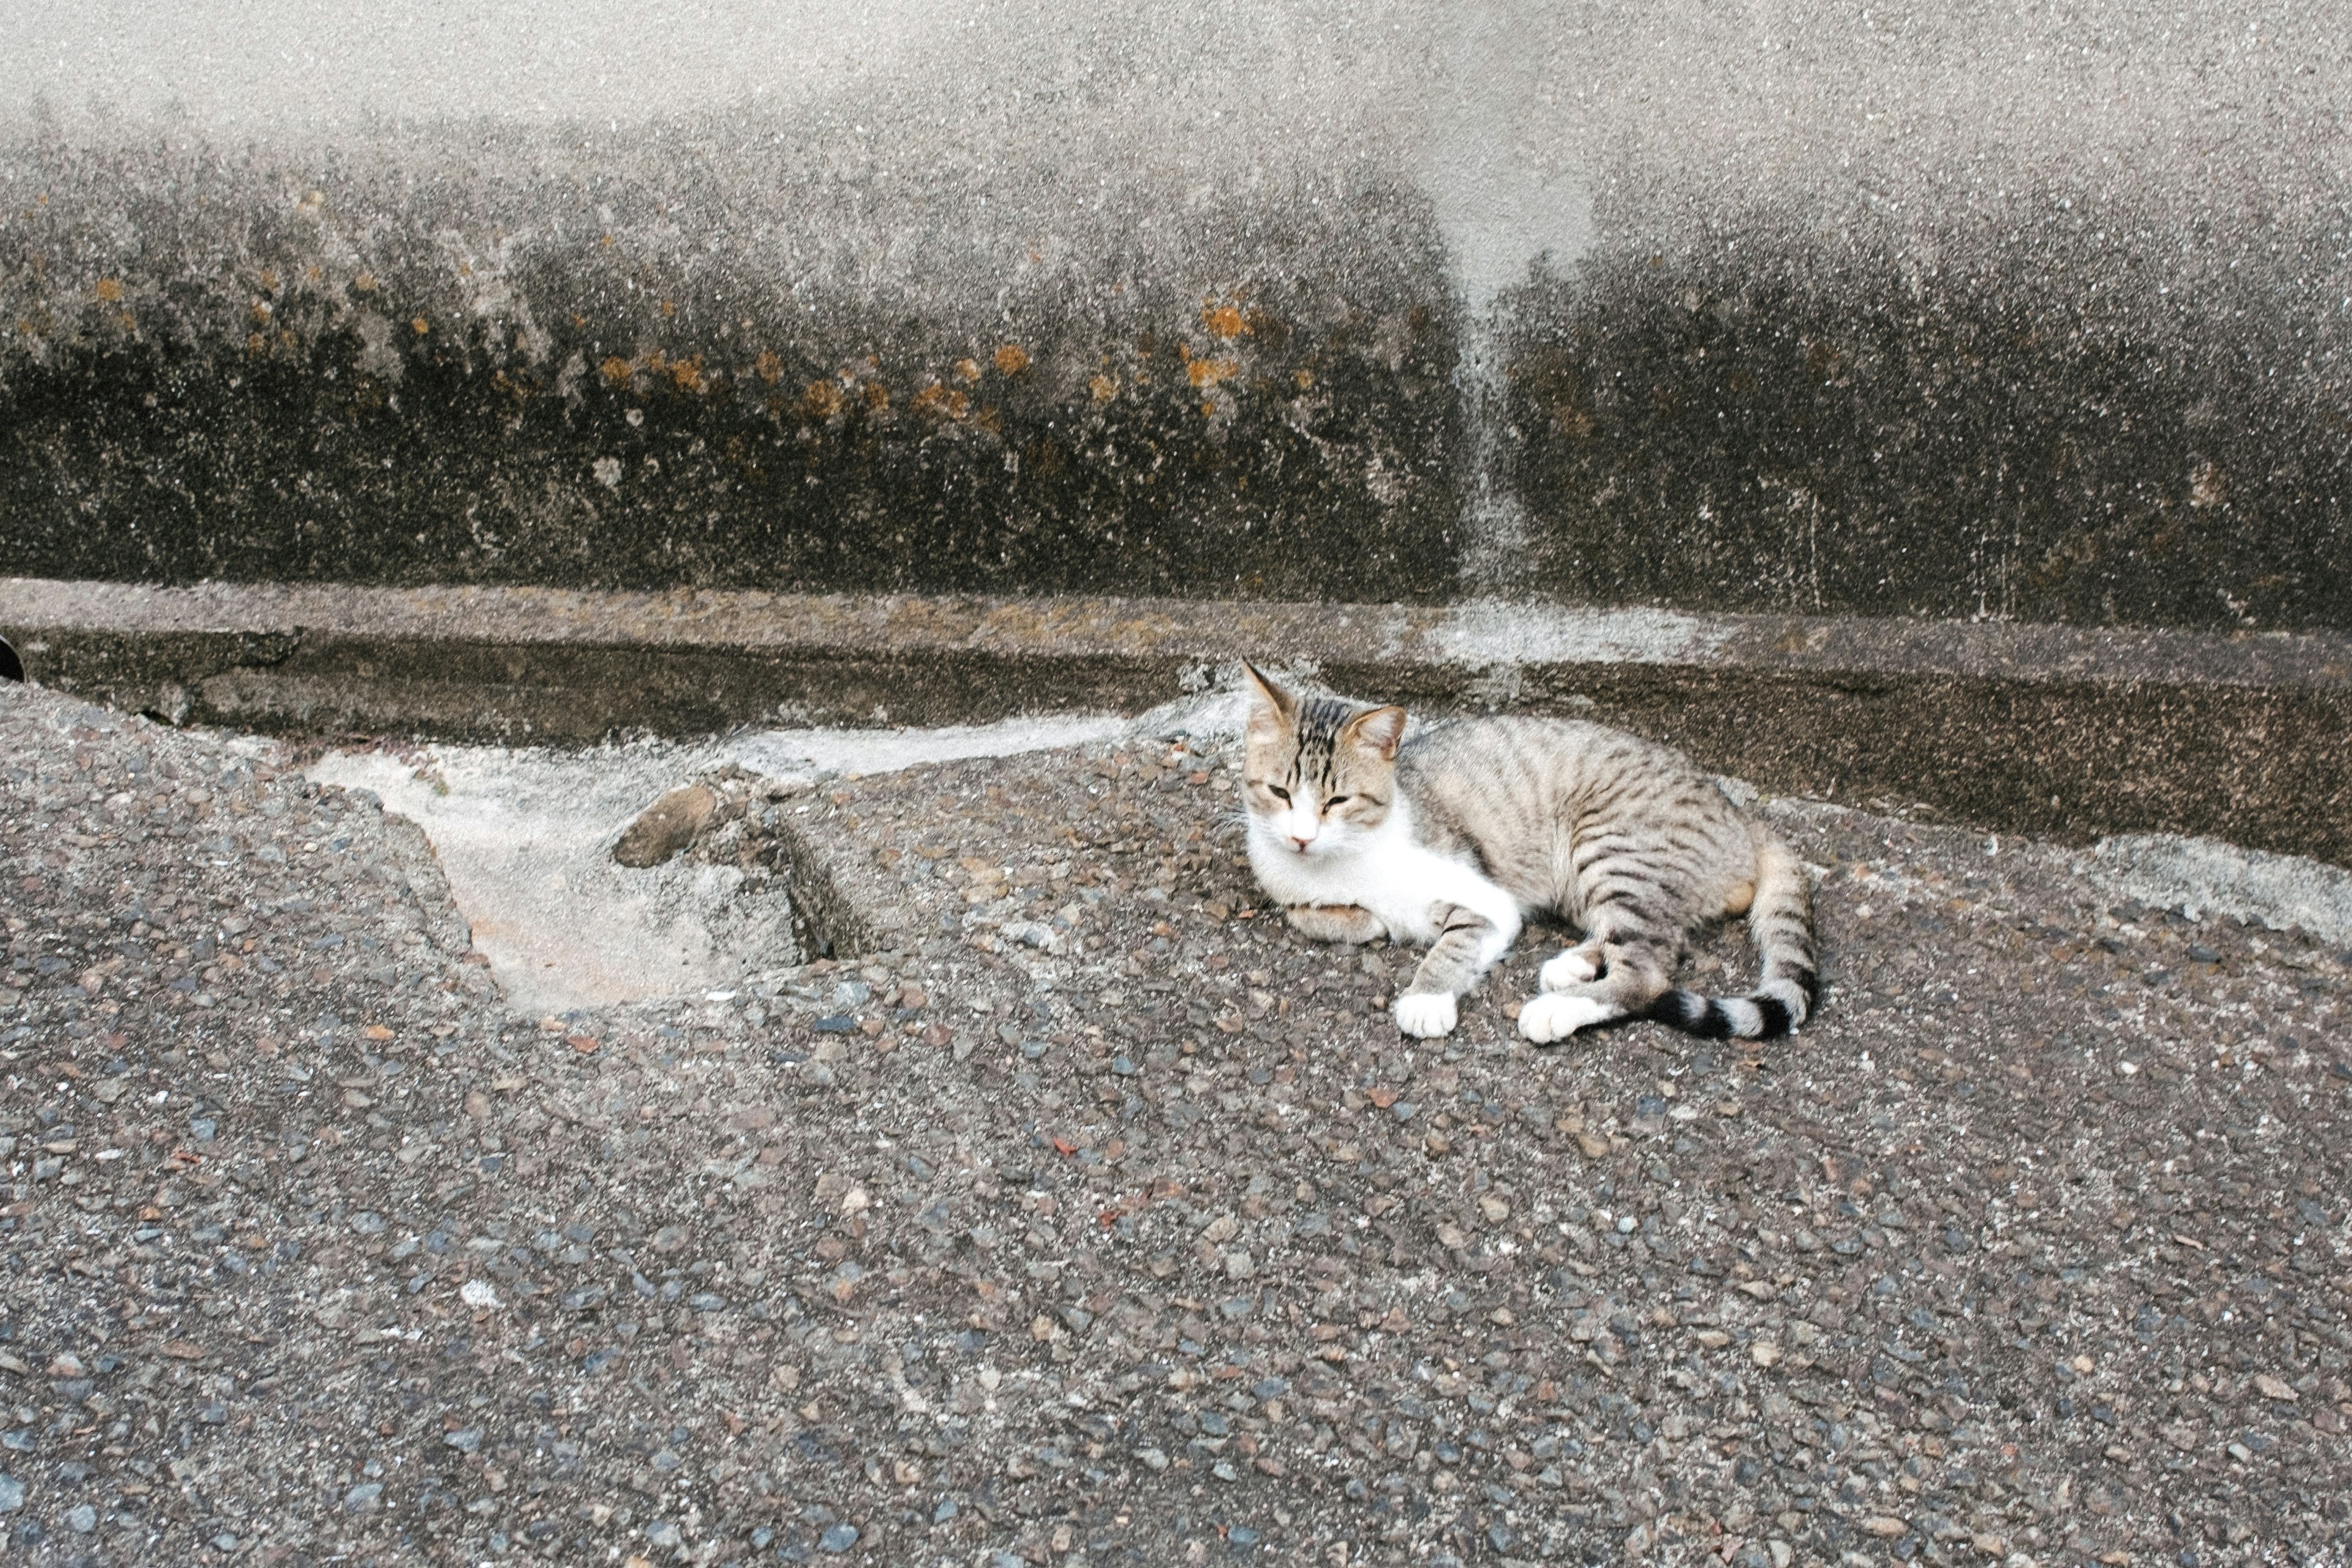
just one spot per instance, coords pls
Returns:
(1867, 310)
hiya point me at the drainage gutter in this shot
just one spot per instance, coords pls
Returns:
(2060, 731)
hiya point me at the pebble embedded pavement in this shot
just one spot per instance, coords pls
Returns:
(1106, 1222)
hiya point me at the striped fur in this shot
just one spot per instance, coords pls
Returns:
(1452, 837)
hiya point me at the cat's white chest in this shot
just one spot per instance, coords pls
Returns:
(1404, 885)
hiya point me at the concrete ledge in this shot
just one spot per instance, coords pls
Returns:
(2062, 731)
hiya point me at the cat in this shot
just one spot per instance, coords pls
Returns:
(1451, 838)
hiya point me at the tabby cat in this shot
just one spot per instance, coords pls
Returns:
(1453, 837)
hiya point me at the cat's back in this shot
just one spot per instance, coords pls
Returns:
(1515, 789)
(1514, 754)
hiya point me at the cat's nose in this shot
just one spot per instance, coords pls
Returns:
(1302, 841)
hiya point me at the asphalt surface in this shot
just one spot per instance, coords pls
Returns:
(1107, 1222)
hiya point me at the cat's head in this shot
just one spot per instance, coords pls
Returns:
(1318, 773)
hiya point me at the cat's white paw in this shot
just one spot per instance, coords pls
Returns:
(1552, 1016)
(1425, 1014)
(1568, 970)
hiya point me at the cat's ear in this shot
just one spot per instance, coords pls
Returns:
(1270, 697)
(1377, 730)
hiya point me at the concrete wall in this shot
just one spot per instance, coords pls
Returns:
(1907, 309)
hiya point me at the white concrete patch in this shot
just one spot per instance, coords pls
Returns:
(776, 752)
(526, 836)
(2204, 876)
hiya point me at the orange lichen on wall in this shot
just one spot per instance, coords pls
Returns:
(1012, 360)
(877, 396)
(940, 400)
(769, 366)
(968, 368)
(1207, 372)
(686, 374)
(1103, 387)
(111, 290)
(822, 401)
(1224, 321)
(420, 324)
(617, 369)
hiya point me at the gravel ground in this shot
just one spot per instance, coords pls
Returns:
(1107, 1222)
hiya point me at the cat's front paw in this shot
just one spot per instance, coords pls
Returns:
(1552, 1016)
(1426, 1014)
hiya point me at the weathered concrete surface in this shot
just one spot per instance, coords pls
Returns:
(1104, 1220)
(455, 358)
(533, 842)
(2055, 730)
(1940, 311)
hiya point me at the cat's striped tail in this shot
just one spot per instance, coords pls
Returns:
(1780, 924)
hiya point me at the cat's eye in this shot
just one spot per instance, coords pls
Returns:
(1278, 793)
(1336, 800)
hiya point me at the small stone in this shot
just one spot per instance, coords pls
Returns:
(1885, 1526)
(2274, 1388)
(661, 1532)
(839, 1538)
(465, 1439)
(479, 1294)
(666, 826)
(1592, 1145)
(81, 1519)
(1765, 1353)
(12, 1494)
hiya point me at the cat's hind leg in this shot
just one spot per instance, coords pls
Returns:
(1578, 965)
(1467, 945)
(1336, 922)
(1633, 976)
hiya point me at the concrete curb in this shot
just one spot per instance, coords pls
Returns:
(2060, 731)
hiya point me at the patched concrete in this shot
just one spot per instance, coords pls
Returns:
(528, 838)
